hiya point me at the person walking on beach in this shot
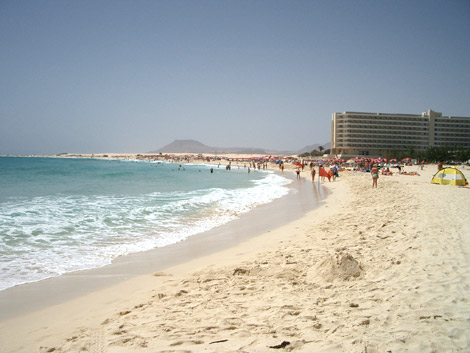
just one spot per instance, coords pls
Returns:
(375, 175)
(298, 173)
(313, 174)
(331, 174)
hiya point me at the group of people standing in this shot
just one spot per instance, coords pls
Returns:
(331, 174)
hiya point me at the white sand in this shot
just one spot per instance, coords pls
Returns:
(372, 270)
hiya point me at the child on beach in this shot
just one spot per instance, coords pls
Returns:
(375, 175)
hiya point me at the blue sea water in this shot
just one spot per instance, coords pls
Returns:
(59, 215)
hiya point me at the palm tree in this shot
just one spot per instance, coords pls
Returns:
(320, 148)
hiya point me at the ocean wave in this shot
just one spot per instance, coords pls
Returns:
(52, 235)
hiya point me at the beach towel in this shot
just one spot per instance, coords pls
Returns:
(324, 173)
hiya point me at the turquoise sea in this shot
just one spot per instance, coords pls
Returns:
(59, 215)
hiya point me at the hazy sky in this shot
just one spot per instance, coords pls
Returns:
(132, 76)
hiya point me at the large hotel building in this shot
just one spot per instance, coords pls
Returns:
(371, 134)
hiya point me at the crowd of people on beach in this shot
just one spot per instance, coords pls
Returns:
(330, 169)
(327, 168)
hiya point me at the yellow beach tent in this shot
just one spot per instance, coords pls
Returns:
(449, 176)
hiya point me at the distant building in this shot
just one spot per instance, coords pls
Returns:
(371, 134)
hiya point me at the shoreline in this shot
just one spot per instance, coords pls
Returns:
(28, 297)
(370, 270)
(25, 280)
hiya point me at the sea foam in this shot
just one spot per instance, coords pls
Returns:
(50, 235)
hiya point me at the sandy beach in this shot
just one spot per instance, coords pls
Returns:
(371, 270)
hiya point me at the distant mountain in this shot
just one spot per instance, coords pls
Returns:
(193, 146)
(185, 146)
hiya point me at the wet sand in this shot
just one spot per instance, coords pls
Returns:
(302, 198)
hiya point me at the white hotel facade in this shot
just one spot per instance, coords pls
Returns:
(371, 134)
